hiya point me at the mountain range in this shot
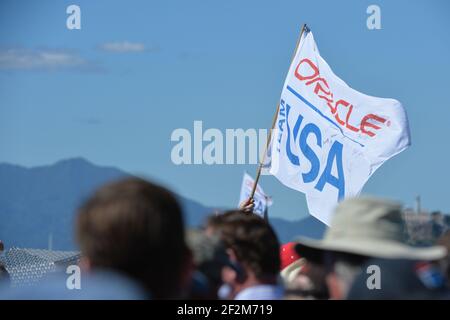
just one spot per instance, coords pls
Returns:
(39, 203)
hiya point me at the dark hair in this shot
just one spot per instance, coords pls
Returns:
(253, 241)
(214, 221)
(135, 227)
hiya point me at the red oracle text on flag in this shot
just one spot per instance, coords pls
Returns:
(307, 72)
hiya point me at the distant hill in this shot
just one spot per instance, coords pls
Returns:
(306, 227)
(38, 201)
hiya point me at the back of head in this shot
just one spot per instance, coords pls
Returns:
(252, 240)
(135, 227)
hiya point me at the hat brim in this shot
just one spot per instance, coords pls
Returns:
(313, 249)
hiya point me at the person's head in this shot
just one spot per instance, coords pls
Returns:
(309, 283)
(253, 249)
(136, 228)
(303, 278)
(362, 227)
(209, 257)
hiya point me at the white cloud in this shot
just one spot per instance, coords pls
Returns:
(123, 47)
(47, 59)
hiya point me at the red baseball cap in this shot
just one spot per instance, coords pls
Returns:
(288, 254)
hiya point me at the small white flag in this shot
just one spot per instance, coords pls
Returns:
(262, 201)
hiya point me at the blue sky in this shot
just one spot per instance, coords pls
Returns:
(222, 62)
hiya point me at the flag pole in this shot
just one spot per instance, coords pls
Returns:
(269, 136)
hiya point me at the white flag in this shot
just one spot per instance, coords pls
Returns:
(262, 201)
(329, 138)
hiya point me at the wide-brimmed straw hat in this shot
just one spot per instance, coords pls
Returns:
(370, 227)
